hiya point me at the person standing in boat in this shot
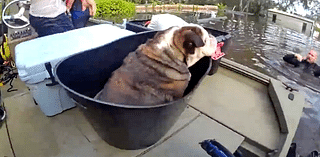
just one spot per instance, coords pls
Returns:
(49, 16)
(308, 62)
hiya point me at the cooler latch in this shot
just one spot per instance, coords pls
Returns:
(49, 69)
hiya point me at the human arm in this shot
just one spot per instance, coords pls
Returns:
(316, 71)
(293, 59)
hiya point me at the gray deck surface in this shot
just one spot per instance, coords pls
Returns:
(245, 106)
(240, 103)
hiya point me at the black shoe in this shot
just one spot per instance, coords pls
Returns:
(292, 150)
(314, 154)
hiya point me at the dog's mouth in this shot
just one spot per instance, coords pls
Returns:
(218, 53)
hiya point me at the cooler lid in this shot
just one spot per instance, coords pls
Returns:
(33, 54)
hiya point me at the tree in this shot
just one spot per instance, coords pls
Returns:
(311, 7)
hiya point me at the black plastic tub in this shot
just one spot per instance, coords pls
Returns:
(138, 26)
(124, 126)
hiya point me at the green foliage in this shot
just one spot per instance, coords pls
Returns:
(155, 2)
(195, 8)
(221, 6)
(114, 10)
(179, 7)
(317, 29)
(220, 13)
(256, 10)
(136, 1)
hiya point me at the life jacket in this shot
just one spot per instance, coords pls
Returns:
(6, 53)
(7, 66)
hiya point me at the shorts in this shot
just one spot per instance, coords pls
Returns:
(47, 26)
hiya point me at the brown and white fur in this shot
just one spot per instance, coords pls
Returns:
(157, 72)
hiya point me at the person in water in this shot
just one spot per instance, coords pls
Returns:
(308, 62)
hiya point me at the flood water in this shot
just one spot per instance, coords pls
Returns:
(260, 45)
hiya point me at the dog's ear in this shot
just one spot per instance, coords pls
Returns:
(192, 40)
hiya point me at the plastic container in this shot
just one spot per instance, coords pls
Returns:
(36, 58)
(124, 126)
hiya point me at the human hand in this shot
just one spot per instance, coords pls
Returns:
(91, 4)
(299, 57)
(69, 4)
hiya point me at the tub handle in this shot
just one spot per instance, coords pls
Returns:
(4, 114)
(49, 69)
(80, 105)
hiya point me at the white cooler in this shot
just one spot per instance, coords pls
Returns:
(31, 57)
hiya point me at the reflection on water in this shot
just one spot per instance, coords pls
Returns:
(260, 45)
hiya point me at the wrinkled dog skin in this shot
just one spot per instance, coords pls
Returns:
(157, 72)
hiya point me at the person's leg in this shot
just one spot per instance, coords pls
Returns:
(79, 17)
(47, 26)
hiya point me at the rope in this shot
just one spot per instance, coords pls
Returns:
(11, 86)
(9, 74)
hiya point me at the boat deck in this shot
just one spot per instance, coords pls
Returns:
(228, 107)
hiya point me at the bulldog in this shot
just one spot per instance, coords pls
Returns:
(157, 71)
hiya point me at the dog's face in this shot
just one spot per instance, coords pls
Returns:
(192, 42)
